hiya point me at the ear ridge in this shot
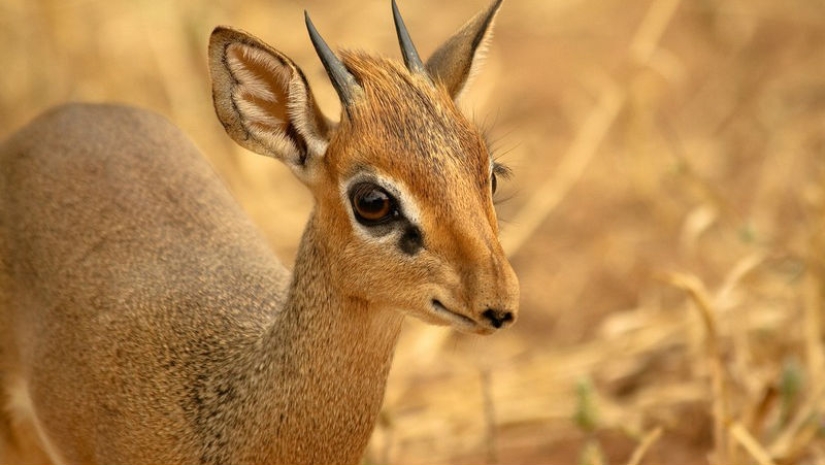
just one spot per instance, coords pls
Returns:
(456, 62)
(264, 101)
(307, 117)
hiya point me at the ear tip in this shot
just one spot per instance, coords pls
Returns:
(220, 35)
(219, 30)
(225, 34)
(495, 6)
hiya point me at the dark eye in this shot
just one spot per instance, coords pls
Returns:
(372, 204)
(498, 170)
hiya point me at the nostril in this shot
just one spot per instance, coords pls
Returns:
(497, 318)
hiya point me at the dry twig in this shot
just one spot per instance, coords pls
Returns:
(699, 295)
(750, 444)
(645, 444)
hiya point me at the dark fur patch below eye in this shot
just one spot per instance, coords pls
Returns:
(412, 241)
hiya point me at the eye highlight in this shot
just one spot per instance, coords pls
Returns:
(372, 204)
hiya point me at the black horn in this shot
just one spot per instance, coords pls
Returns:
(411, 57)
(345, 84)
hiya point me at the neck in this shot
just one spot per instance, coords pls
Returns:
(326, 358)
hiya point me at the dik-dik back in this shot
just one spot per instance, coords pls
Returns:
(144, 320)
(123, 256)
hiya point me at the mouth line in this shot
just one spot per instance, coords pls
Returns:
(441, 309)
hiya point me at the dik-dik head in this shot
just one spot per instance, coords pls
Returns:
(403, 184)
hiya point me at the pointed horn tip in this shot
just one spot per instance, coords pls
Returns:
(345, 84)
(396, 13)
(308, 20)
(408, 50)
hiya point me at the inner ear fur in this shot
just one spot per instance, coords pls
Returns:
(264, 101)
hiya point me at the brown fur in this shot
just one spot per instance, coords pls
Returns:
(143, 319)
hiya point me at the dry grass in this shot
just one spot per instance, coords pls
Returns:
(666, 218)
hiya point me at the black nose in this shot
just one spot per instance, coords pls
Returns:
(497, 318)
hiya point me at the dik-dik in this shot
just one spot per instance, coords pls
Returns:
(144, 319)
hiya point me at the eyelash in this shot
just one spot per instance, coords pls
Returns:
(498, 170)
(501, 170)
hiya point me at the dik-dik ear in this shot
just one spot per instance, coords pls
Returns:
(264, 101)
(459, 58)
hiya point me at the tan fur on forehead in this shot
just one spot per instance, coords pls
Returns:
(405, 113)
(388, 85)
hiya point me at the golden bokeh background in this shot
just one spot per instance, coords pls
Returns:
(665, 217)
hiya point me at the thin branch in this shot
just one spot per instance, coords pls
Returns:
(648, 441)
(750, 444)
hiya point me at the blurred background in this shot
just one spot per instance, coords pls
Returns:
(665, 216)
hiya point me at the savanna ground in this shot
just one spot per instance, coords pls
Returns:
(665, 217)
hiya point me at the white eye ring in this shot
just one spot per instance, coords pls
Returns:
(398, 191)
